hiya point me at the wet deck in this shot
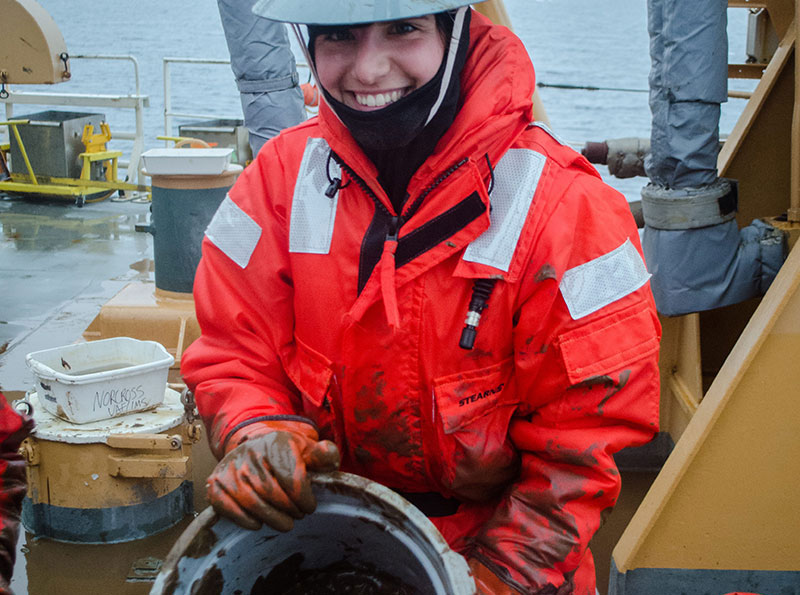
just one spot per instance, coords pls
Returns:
(59, 264)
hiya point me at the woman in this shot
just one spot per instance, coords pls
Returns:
(337, 275)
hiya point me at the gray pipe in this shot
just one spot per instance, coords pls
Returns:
(265, 71)
(698, 257)
(688, 82)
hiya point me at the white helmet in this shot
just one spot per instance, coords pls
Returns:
(351, 12)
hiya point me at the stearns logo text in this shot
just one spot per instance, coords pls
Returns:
(478, 396)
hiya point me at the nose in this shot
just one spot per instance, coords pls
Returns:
(372, 59)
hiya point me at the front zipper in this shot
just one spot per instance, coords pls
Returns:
(439, 179)
(432, 463)
(406, 213)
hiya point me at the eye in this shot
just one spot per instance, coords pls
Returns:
(402, 28)
(338, 34)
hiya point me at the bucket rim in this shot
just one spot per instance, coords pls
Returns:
(193, 536)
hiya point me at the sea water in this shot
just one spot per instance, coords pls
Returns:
(577, 43)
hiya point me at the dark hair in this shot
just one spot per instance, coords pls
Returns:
(444, 23)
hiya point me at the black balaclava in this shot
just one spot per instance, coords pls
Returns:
(399, 137)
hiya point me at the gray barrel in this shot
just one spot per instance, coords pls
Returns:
(182, 208)
(358, 524)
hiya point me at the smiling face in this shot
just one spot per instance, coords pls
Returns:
(370, 67)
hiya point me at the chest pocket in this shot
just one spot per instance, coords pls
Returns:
(474, 410)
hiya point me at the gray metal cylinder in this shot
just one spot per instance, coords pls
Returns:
(182, 208)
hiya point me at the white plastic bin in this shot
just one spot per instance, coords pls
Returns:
(185, 162)
(87, 382)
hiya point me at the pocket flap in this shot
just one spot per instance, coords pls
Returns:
(609, 344)
(462, 398)
(310, 371)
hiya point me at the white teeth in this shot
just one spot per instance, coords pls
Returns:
(379, 99)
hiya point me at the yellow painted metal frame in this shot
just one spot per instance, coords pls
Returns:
(680, 372)
(78, 188)
(726, 499)
(763, 154)
(727, 496)
(757, 152)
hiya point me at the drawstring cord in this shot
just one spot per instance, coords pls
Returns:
(387, 270)
(335, 183)
(386, 264)
(481, 291)
(491, 174)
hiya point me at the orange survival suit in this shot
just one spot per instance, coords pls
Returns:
(319, 303)
(14, 428)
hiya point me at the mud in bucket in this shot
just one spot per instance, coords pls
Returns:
(361, 531)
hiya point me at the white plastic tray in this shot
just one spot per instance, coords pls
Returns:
(87, 382)
(184, 162)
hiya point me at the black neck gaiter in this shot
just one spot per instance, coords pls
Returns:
(398, 138)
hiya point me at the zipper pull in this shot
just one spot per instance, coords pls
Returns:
(394, 229)
(481, 291)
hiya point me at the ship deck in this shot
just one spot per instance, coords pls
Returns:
(59, 265)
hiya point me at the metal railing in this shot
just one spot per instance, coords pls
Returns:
(170, 113)
(136, 102)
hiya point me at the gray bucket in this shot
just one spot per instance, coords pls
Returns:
(358, 523)
(182, 208)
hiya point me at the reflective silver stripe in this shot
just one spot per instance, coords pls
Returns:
(549, 131)
(313, 213)
(516, 177)
(234, 232)
(455, 38)
(602, 281)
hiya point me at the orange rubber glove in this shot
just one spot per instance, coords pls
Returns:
(487, 582)
(263, 476)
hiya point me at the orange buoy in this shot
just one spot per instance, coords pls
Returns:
(310, 94)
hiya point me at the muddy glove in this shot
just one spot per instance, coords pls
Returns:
(487, 582)
(14, 428)
(263, 476)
